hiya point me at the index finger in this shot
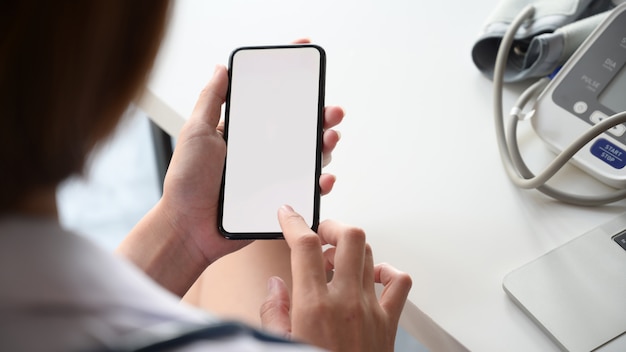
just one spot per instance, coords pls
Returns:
(333, 115)
(307, 260)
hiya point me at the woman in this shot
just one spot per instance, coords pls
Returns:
(68, 71)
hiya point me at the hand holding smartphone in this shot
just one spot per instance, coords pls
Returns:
(273, 132)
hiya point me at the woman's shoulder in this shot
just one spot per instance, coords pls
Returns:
(64, 289)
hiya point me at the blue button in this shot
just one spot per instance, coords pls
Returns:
(609, 153)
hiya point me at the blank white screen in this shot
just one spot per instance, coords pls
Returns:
(272, 137)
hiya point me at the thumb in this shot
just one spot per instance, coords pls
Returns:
(275, 310)
(209, 104)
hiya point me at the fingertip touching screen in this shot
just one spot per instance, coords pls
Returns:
(273, 134)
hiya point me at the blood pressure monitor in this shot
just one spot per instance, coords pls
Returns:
(589, 88)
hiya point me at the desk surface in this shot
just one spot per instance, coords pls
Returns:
(418, 167)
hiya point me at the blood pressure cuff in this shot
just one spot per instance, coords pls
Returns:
(542, 44)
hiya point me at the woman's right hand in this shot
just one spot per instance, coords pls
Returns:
(343, 313)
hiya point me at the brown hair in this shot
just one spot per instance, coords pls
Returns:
(68, 70)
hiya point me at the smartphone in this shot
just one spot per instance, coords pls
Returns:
(273, 131)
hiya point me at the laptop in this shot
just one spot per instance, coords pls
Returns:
(577, 292)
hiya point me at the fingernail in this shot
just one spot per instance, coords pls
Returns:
(338, 135)
(217, 69)
(272, 284)
(287, 209)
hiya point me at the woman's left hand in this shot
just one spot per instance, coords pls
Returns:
(185, 219)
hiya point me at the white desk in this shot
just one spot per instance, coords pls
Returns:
(417, 166)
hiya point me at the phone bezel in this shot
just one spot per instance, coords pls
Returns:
(318, 148)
